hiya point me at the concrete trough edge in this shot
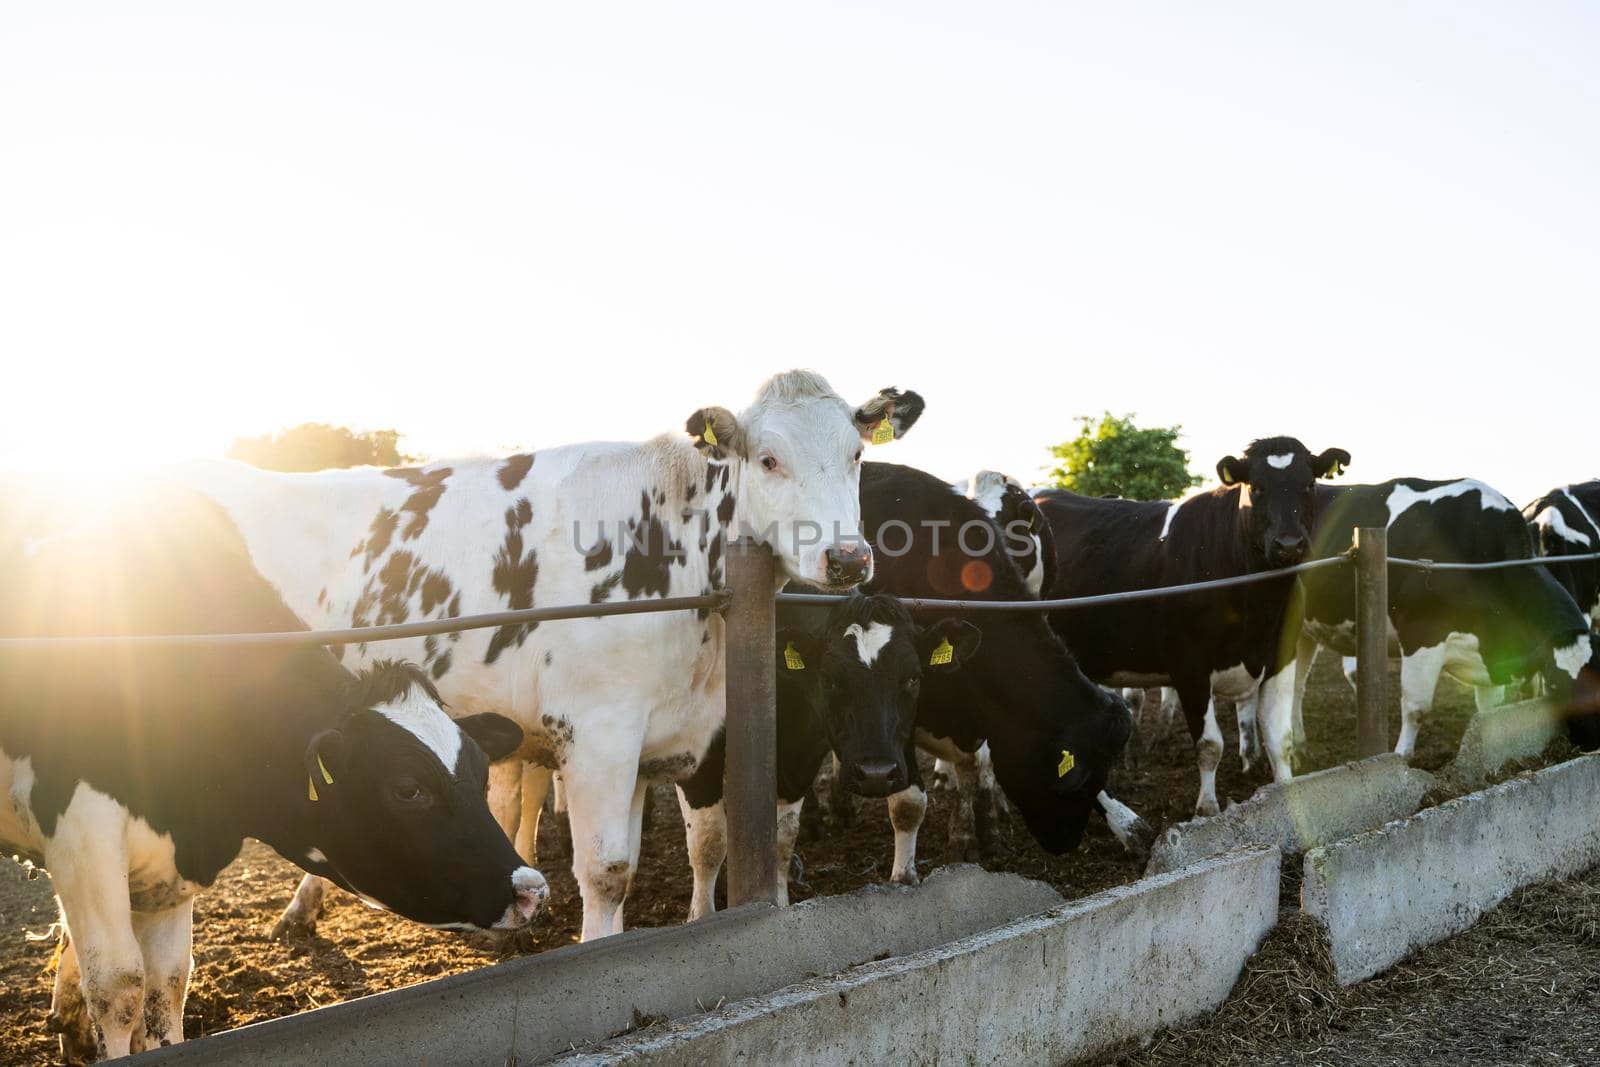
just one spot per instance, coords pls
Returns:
(1299, 814)
(539, 1006)
(1046, 989)
(1497, 736)
(1383, 894)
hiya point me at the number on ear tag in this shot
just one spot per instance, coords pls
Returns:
(943, 654)
(883, 433)
(1066, 764)
(791, 658)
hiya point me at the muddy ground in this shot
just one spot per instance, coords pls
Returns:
(242, 976)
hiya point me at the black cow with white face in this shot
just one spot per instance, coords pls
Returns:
(133, 773)
(1566, 522)
(1237, 642)
(849, 679)
(1485, 628)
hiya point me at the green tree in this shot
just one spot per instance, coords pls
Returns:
(315, 446)
(1113, 457)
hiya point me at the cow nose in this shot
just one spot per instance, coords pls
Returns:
(848, 564)
(878, 778)
(529, 892)
(1291, 549)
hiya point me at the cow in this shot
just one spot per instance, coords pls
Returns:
(847, 682)
(133, 773)
(615, 704)
(1053, 734)
(1566, 522)
(1237, 642)
(1484, 628)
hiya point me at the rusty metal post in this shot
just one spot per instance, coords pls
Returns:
(750, 776)
(1372, 640)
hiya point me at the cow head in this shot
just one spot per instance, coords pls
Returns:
(395, 794)
(796, 459)
(861, 676)
(1276, 479)
(1027, 535)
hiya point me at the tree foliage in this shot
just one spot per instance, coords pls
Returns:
(1113, 457)
(315, 446)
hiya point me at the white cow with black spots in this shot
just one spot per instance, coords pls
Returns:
(614, 703)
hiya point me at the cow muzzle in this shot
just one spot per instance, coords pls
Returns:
(529, 892)
(847, 565)
(877, 778)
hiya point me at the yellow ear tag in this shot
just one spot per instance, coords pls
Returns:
(326, 777)
(1066, 764)
(709, 436)
(883, 433)
(791, 658)
(943, 654)
(311, 788)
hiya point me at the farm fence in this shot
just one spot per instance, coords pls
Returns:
(750, 612)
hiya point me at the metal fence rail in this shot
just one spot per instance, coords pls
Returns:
(750, 789)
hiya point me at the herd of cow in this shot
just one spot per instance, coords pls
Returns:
(133, 772)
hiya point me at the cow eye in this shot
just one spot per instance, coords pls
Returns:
(912, 684)
(409, 792)
(769, 463)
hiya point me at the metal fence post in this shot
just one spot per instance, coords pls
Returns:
(749, 778)
(1372, 640)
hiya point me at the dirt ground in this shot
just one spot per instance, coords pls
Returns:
(242, 976)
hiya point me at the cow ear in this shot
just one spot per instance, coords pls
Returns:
(799, 654)
(497, 735)
(888, 416)
(1332, 462)
(716, 432)
(947, 644)
(325, 763)
(1231, 470)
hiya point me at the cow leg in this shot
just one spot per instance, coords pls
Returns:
(535, 787)
(304, 910)
(788, 830)
(603, 801)
(906, 809)
(1347, 667)
(88, 870)
(558, 808)
(69, 1012)
(705, 832)
(1133, 833)
(991, 801)
(1419, 677)
(1207, 741)
(505, 795)
(839, 803)
(1249, 734)
(963, 843)
(1305, 653)
(164, 937)
(1276, 696)
(641, 793)
(944, 775)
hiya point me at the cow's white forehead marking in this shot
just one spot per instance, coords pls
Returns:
(869, 642)
(418, 714)
(1280, 462)
(1572, 658)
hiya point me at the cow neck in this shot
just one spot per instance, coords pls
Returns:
(1024, 666)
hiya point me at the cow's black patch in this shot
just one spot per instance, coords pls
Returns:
(601, 591)
(427, 487)
(599, 556)
(725, 509)
(379, 534)
(548, 657)
(441, 665)
(647, 567)
(514, 469)
(513, 576)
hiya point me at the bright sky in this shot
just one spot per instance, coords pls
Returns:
(1370, 225)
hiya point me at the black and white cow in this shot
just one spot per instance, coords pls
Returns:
(1484, 628)
(133, 773)
(1566, 522)
(615, 704)
(1239, 642)
(848, 682)
(1054, 734)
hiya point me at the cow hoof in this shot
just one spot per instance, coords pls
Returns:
(294, 926)
(906, 877)
(1206, 809)
(962, 850)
